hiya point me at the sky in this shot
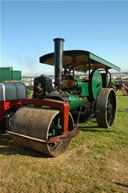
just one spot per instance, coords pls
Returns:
(29, 27)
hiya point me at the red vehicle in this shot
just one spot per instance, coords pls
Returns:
(10, 99)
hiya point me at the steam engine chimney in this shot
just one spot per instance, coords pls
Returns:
(58, 58)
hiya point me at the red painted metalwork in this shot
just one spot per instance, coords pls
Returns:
(64, 137)
(15, 104)
(62, 106)
(8, 105)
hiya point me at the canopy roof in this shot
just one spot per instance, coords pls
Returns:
(80, 59)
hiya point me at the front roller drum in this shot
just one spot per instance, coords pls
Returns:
(106, 107)
(38, 125)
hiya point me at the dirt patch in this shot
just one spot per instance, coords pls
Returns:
(119, 171)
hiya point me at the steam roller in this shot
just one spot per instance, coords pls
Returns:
(40, 124)
(48, 121)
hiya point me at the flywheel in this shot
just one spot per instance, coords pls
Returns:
(34, 126)
(95, 84)
(106, 107)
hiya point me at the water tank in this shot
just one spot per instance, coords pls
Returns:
(12, 91)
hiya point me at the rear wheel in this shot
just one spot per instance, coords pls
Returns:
(106, 107)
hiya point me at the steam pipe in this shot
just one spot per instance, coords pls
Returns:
(58, 59)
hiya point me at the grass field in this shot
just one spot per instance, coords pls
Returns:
(96, 161)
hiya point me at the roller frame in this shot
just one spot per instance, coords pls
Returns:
(56, 139)
(64, 109)
(62, 106)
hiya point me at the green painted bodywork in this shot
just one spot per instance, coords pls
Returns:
(80, 101)
(55, 128)
(96, 83)
(104, 62)
(84, 88)
(77, 102)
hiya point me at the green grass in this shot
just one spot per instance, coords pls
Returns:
(96, 161)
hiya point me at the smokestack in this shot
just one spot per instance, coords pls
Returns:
(58, 58)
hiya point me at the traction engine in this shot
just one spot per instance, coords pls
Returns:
(48, 122)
